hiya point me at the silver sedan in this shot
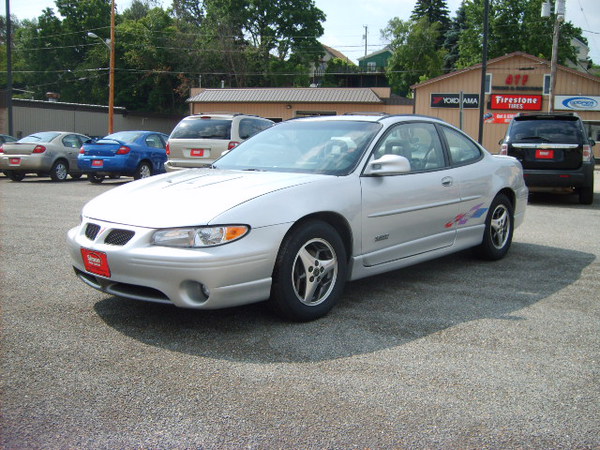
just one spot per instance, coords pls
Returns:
(292, 214)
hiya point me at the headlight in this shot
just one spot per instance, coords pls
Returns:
(197, 237)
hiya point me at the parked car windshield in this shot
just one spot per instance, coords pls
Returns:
(198, 128)
(560, 131)
(39, 137)
(331, 147)
(123, 136)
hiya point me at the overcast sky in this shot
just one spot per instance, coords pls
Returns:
(347, 19)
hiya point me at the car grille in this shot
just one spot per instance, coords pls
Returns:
(118, 237)
(114, 237)
(91, 231)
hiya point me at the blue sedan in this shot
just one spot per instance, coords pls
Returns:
(137, 154)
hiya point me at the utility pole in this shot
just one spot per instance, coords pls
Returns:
(111, 74)
(484, 56)
(365, 37)
(9, 84)
(559, 11)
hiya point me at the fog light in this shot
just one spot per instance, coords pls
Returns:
(195, 291)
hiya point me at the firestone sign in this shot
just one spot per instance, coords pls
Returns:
(516, 102)
(453, 100)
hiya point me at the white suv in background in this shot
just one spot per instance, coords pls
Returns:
(200, 139)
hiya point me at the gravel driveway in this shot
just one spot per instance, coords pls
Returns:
(454, 353)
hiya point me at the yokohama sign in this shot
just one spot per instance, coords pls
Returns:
(516, 102)
(453, 100)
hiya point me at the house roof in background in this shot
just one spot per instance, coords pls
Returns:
(337, 54)
(287, 95)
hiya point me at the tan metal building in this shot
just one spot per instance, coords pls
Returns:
(286, 103)
(517, 82)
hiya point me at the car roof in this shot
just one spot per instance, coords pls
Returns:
(370, 117)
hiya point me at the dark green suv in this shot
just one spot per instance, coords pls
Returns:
(555, 152)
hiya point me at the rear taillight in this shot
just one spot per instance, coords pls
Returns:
(168, 149)
(123, 150)
(81, 151)
(587, 153)
(1, 149)
(504, 149)
(39, 149)
(232, 144)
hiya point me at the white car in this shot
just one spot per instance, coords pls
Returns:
(296, 211)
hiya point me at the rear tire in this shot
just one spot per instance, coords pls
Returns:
(59, 171)
(586, 195)
(14, 176)
(310, 272)
(143, 171)
(499, 226)
(95, 178)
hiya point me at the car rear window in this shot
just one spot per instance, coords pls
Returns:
(202, 129)
(560, 131)
(123, 136)
(39, 137)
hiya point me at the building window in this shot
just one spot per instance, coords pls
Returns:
(547, 79)
(371, 66)
(315, 113)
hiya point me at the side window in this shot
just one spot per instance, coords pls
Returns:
(249, 127)
(462, 149)
(71, 141)
(417, 142)
(154, 141)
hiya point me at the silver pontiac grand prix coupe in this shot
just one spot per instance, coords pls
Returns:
(296, 211)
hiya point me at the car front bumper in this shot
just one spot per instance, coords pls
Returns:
(209, 278)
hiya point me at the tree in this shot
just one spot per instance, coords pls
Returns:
(416, 53)
(434, 10)
(457, 27)
(514, 25)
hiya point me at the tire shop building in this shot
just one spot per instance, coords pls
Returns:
(286, 103)
(516, 82)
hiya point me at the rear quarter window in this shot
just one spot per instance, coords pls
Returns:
(462, 149)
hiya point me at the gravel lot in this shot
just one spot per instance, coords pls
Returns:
(455, 353)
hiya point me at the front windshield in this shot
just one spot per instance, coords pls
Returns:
(327, 147)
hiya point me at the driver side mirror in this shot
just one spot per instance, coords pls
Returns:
(388, 165)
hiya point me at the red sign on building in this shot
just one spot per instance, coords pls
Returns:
(519, 102)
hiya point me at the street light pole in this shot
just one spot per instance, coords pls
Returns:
(110, 44)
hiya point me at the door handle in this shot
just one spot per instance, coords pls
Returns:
(447, 181)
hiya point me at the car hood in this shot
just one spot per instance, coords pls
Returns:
(189, 197)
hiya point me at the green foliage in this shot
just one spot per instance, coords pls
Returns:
(160, 53)
(416, 52)
(514, 25)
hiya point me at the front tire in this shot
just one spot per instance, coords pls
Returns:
(143, 171)
(499, 226)
(310, 272)
(59, 171)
